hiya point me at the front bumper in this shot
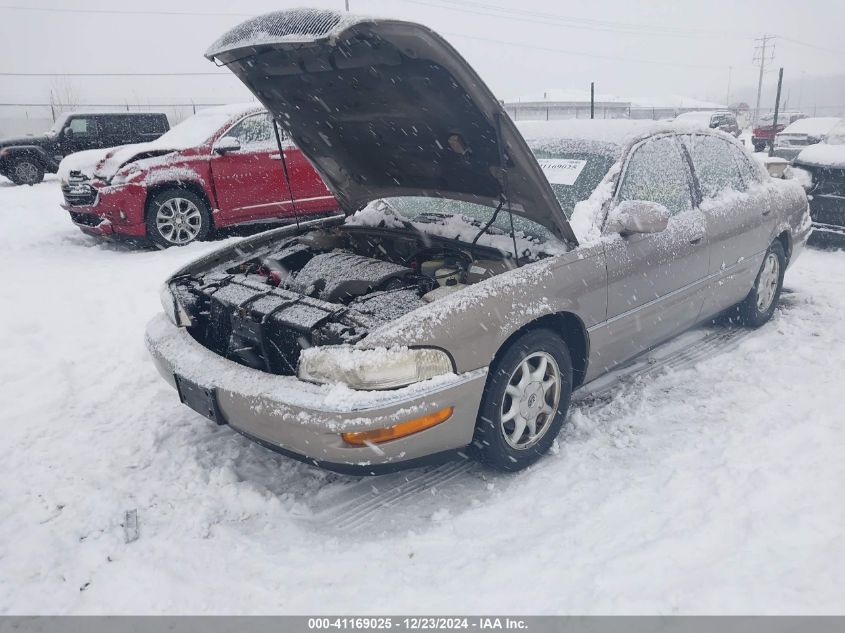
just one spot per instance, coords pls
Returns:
(828, 213)
(305, 421)
(114, 210)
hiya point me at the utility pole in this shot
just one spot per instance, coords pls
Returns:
(592, 100)
(728, 97)
(760, 56)
(347, 6)
(777, 110)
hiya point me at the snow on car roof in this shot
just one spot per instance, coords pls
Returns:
(293, 25)
(617, 132)
(813, 125)
(823, 154)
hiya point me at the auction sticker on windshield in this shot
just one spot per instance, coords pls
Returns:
(562, 171)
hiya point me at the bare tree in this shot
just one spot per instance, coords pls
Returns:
(63, 96)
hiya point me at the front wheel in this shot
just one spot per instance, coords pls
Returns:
(760, 304)
(525, 401)
(176, 217)
(26, 171)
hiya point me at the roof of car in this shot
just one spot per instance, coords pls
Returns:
(812, 125)
(87, 112)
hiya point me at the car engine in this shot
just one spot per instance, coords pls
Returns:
(324, 287)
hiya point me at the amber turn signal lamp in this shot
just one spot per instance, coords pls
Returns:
(376, 436)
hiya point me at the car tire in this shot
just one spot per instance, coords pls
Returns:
(513, 399)
(26, 171)
(759, 147)
(176, 217)
(760, 304)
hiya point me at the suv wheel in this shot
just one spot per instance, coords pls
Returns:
(525, 401)
(760, 304)
(26, 171)
(176, 217)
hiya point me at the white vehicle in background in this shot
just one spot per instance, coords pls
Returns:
(796, 136)
(723, 120)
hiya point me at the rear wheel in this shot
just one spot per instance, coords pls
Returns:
(525, 401)
(176, 217)
(26, 171)
(760, 304)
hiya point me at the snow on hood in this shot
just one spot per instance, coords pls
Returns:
(814, 126)
(84, 162)
(823, 155)
(192, 132)
(386, 108)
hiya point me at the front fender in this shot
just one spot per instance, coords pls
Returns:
(472, 324)
(15, 152)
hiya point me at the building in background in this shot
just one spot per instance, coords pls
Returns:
(575, 104)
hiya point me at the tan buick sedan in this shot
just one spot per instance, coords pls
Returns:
(481, 272)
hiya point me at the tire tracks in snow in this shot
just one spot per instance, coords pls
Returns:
(370, 502)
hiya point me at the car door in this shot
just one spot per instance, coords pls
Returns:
(655, 281)
(80, 133)
(250, 182)
(738, 215)
(308, 189)
(115, 130)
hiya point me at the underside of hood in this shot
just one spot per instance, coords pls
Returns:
(388, 108)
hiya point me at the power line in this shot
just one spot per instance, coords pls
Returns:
(212, 74)
(553, 19)
(583, 54)
(808, 45)
(127, 12)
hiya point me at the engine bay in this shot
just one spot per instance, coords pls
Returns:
(327, 286)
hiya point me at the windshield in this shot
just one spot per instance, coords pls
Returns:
(441, 211)
(574, 175)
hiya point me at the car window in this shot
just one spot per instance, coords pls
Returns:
(115, 126)
(82, 126)
(574, 175)
(149, 125)
(657, 172)
(254, 131)
(750, 174)
(715, 165)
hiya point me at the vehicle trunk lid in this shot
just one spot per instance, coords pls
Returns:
(388, 108)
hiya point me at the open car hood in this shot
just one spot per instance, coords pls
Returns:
(388, 108)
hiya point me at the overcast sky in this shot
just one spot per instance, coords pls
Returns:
(640, 49)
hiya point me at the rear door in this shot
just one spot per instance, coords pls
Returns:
(738, 214)
(148, 127)
(655, 281)
(115, 130)
(250, 182)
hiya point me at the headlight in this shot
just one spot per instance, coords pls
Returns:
(378, 368)
(174, 310)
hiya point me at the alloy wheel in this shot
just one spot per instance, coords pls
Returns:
(26, 172)
(178, 220)
(531, 400)
(768, 283)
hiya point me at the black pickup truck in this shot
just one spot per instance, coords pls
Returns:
(25, 160)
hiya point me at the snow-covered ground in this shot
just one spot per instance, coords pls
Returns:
(709, 481)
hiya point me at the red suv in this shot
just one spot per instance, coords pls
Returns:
(764, 132)
(219, 168)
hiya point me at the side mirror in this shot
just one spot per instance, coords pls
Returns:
(226, 144)
(67, 132)
(638, 216)
(776, 166)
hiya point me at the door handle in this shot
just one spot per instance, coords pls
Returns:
(275, 156)
(767, 212)
(696, 240)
